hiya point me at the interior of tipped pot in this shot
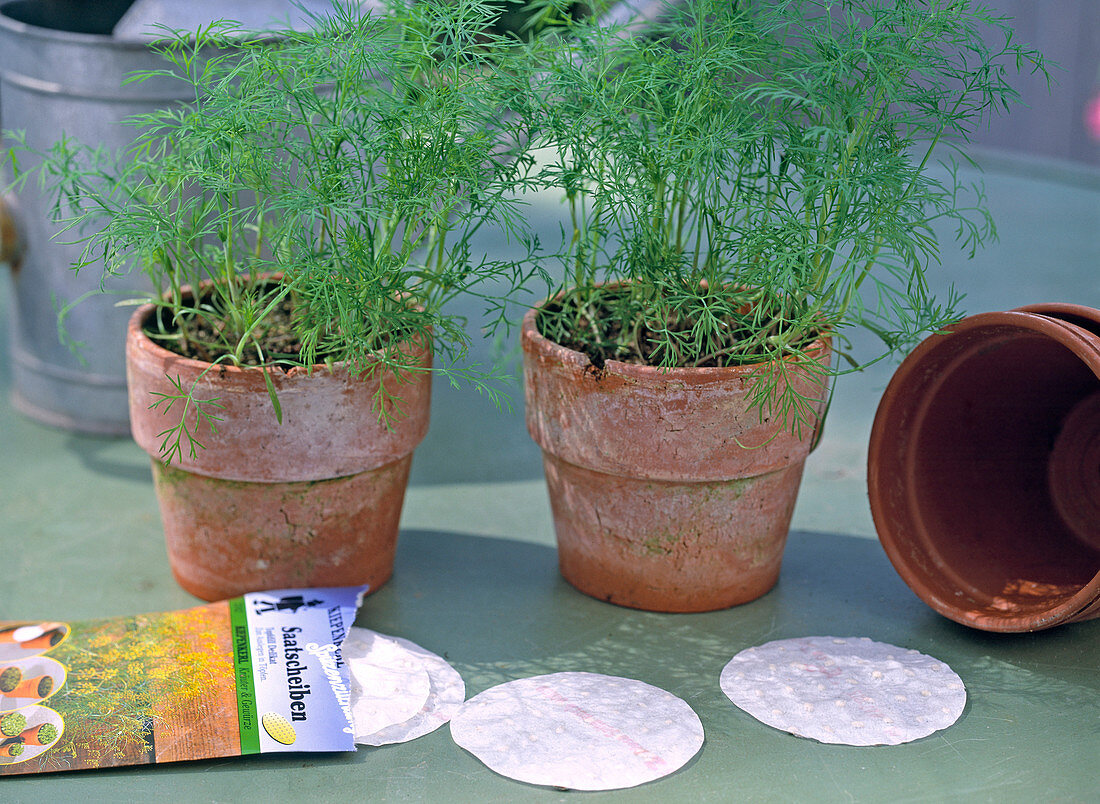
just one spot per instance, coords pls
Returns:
(981, 467)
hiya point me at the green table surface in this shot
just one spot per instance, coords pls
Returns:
(476, 581)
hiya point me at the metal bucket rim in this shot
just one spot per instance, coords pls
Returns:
(18, 28)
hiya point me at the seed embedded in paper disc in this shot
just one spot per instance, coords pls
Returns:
(851, 691)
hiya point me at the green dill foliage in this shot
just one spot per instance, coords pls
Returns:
(323, 188)
(749, 175)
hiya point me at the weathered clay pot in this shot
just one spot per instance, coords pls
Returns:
(314, 501)
(668, 491)
(984, 469)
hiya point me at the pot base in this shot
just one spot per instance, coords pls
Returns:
(670, 546)
(226, 538)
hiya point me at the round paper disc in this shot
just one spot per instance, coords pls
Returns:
(851, 691)
(581, 731)
(447, 693)
(388, 685)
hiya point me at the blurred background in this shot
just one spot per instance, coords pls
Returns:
(1063, 123)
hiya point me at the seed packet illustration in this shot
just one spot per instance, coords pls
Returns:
(256, 674)
(21, 641)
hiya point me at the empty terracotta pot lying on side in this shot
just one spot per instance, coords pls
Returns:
(668, 492)
(314, 501)
(984, 469)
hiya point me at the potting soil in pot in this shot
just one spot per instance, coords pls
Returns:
(581, 731)
(400, 691)
(851, 691)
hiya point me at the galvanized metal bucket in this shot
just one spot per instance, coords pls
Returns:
(62, 73)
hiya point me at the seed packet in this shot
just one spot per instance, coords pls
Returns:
(256, 674)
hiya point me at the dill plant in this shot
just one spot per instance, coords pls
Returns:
(323, 189)
(751, 175)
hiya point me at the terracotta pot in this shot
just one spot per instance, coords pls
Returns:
(668, 491)
(48, 639)
(48, 635)
(32, 736)
(314, 501)
(983, 469)
(34, 687)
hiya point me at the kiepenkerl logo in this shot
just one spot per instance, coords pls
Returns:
(290, 603)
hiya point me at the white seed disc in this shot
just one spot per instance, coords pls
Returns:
(851, 691)
(581, 731)
(388, 684)
(447, 692)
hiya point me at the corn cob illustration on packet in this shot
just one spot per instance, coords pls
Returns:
(256, 674)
